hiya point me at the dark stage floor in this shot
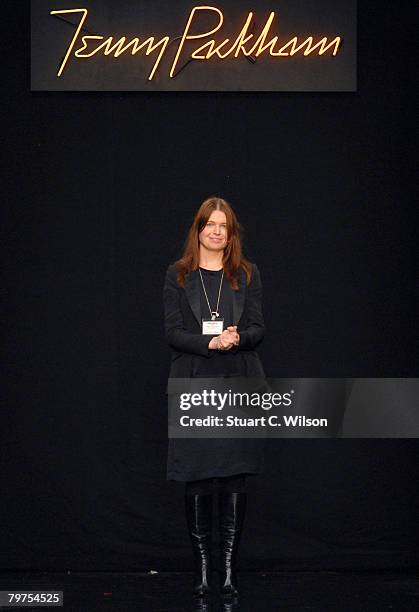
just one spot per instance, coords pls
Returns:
(170, 592)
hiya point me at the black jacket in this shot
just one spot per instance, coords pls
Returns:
(182, 307)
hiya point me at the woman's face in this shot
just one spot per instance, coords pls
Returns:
(214, 235)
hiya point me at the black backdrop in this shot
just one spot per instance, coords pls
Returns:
(100, 190)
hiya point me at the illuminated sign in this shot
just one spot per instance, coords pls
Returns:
(110, 46)
(278, 45)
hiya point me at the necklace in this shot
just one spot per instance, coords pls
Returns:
(214, 313)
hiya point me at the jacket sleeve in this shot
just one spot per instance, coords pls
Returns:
(177, 336)
(254, 331)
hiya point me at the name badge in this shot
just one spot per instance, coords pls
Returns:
(212, 327)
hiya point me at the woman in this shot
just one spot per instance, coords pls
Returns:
(213, 281)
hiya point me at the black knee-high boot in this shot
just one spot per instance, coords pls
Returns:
(199, 521)
(232, 509)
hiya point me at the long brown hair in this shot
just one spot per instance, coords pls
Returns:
(233, 258)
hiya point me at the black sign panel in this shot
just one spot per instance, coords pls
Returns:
(228, 45)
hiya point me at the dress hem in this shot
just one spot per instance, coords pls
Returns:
(190, 476)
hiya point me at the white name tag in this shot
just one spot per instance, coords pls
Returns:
(212, 328)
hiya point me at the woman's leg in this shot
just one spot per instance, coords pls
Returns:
(232, 499)
(200, 487)
(198, 507)
(233, 484)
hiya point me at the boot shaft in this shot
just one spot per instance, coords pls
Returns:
(199, 521)
(232, 510)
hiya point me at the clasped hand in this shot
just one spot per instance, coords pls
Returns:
(230, 337)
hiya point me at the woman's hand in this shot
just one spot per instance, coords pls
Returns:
(226, 340)
(234, 334)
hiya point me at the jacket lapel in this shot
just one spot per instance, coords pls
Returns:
(192, 290)
(192, 293)
(238, 298)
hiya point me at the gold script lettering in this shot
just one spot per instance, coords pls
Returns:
(83, 11)
(241, 40)
(92, 45)
(185, 35)
(109, 47)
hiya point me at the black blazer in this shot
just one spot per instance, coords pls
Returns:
(182, 308)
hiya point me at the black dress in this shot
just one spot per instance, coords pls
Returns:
(195, 459)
